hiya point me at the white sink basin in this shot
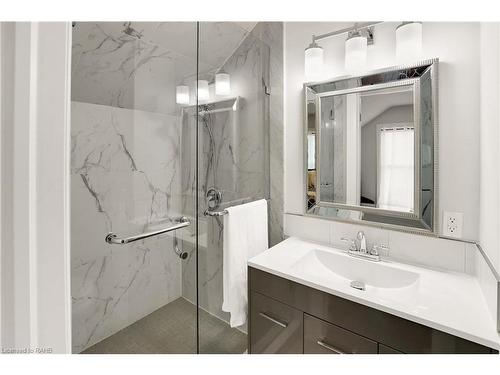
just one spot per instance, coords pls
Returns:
(326, 264)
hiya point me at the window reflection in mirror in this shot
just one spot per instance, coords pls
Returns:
(311, 152)
(367, 149)
(387, 149)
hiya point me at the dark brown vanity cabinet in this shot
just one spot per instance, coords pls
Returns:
(277, 328)
(288, 317)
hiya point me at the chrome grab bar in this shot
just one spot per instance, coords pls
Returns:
(112, 238)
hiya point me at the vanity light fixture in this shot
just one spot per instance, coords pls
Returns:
(203, 93)
(408, 42)
(356, 46)
(313, 62)
(313, 54)
(182, 95)
(222, 84)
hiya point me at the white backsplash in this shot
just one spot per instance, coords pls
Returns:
(486, 279)
(405, 247)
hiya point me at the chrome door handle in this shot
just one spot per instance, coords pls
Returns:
(215, 213)
(275, 321)
(329, 347)
(112, 238)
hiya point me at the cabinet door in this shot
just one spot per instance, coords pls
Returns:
(321, 337)
(274, 326)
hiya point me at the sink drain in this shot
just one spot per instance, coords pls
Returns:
(358, 285)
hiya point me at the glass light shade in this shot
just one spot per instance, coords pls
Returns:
(313, 61)
(182, 94)
(409, 42)
(356, 47)
(222, 84)
(203, 94)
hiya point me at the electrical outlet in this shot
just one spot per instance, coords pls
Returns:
(452, 224)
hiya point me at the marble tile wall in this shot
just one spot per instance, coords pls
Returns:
(271, 33)
(125, 176)
(137, 65)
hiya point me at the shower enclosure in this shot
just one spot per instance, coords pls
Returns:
(157, 140)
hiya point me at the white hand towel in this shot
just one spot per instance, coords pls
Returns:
(245, 235)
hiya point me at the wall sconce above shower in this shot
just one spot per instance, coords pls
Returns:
(182, 95)
(203, 93)
(222, 84)
(204, 90)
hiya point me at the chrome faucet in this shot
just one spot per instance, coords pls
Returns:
(357, 248)
(362, 241)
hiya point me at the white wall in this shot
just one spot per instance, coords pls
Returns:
(52, 185)
(489, 220)
(456, 45)
(35, 249)
(6, 134)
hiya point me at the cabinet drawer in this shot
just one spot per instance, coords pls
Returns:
(322, 337)
(382, 349)
(275, 327)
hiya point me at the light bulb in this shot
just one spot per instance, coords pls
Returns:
(203, 94)
(408, 42)
(356, 47)
(182, 94)
(313, 61)
(222, 84)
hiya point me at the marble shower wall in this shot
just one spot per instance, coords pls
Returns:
(272, 34)
(240, 153)
(137, 65)
(125, 177)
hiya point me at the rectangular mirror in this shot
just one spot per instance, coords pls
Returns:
(370, 148)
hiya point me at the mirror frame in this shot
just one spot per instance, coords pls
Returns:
(406, 75)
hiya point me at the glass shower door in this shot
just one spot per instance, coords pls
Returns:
(233, 161)
(131, 170)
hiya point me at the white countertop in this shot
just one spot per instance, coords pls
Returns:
(447, 301)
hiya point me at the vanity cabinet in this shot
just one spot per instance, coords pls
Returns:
(277, 328)
(288, 317)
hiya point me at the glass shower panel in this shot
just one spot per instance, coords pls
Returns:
(131, 158)
(233, 162)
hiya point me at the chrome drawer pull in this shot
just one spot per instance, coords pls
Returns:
(275, 321)
(329, 347)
